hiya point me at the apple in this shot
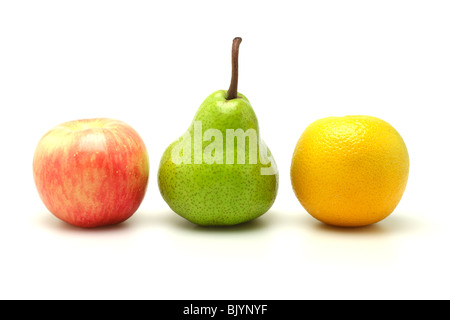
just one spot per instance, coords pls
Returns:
(91, 172)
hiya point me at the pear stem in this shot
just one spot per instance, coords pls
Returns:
(232, 91)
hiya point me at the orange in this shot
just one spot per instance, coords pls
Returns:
(350, 171)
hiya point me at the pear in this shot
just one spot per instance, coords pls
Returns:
(220, 172)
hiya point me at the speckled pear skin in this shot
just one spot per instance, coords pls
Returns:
(219, 194)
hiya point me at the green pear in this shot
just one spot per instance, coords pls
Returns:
(220, 172)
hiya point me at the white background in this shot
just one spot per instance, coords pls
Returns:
(151, 64)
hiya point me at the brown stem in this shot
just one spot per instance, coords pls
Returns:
(232, 91)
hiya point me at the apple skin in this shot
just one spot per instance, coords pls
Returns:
(92, 172)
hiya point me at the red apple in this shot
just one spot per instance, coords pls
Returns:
(92, 172)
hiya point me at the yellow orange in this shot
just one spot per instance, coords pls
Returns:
(350, 171)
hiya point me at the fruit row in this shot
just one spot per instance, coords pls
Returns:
(345, 171)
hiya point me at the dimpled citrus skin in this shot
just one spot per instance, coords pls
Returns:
(350, 171)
